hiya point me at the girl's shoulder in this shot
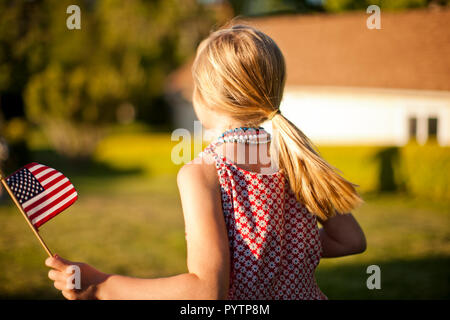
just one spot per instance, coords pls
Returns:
(200, 172)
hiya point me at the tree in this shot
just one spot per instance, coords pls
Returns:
(73, 82)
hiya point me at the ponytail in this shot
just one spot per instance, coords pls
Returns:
(241, 72)
(315, 182)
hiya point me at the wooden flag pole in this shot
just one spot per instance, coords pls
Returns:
(36, 233)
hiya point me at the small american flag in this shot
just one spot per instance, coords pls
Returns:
(43, 192)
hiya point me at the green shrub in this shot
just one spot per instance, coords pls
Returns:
(427, 171)
(422, 171)
(356, 163)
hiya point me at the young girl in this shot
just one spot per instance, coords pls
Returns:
(251, 224)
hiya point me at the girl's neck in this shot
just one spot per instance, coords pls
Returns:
(227, 127)
(224, 122)
(232, 126)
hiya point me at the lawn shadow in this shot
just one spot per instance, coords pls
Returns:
(423, 278)
(80, 167)
(388, 169)
(49, 293)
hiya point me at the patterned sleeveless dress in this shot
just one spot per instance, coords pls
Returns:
(274, 240)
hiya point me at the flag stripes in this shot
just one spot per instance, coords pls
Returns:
(44, 191)
(60, 180)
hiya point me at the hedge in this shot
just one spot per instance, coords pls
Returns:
(422, 171)
(419, 170)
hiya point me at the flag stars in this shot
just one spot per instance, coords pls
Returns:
(24, 185)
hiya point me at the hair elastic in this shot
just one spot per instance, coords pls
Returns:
(273, 114)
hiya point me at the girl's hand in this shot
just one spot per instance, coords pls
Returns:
(64, 279)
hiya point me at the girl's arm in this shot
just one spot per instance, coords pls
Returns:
(341, 235)
(207, 252)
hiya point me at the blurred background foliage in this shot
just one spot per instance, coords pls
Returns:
(72, 83)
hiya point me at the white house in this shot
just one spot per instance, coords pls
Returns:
(350, 85)
(355, 116)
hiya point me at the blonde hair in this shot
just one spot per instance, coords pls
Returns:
(240, 71)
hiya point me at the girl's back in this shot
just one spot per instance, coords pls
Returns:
(274, 240)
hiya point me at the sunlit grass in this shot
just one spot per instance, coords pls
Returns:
(131, 223)
(408, 239)
(139, 233)
(151, 153)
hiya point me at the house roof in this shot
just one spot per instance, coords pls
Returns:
(410, 51)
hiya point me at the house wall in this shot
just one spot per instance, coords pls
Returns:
(352, 116)
(346, 116)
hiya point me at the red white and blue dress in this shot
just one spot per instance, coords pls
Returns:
(274, 240)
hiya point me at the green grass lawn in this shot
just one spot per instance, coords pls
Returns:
(128, 220)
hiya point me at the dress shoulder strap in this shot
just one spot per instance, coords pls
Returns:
(211, 150)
